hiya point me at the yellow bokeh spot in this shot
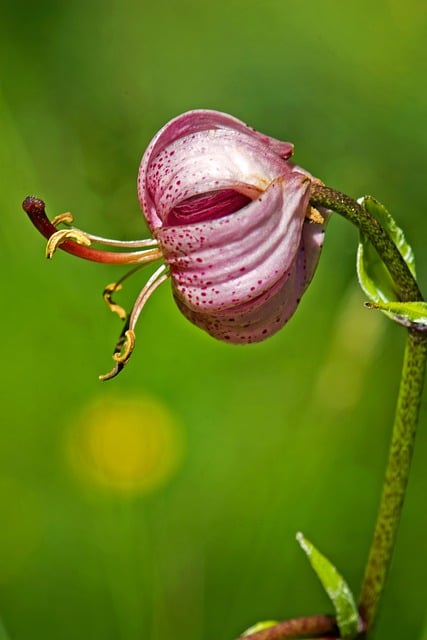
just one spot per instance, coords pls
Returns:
(125, 445)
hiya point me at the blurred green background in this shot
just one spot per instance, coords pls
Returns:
(164, 504)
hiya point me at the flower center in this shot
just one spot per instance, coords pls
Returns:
(207, 206)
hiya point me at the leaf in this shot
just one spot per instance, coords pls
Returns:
(337, 589)
(373, 275)
(259, 626)
(378, 211)
(410, 314)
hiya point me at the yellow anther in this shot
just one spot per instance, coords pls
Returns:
(63, 218)
(313, 215)
(126, 347)
(123, 352)
(108, 292)
(59, 237)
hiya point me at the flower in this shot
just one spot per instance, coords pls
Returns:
(231, 220)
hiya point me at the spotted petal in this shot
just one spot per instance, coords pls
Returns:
(232, 260)
(264, 315)
(229, 212)
(205, 150)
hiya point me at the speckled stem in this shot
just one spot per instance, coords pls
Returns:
(320, 627)
(351, 210)
(396, 477)
(408, 404)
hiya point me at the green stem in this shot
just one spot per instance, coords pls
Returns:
(351, 210)
(396, 476)
(408, 404)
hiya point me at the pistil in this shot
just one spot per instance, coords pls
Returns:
(78, 242)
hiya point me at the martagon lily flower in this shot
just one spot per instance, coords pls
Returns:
(231, 222)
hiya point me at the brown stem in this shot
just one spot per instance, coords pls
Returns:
(321, 627)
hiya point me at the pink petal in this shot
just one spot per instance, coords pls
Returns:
(207, 206)
(261, 317)
(228, 210)
(257, 319)
(223, 263)
(186, 158)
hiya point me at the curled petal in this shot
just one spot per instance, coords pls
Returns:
(210, 161)
(229, 211)
(196, 144)
(227, 262)
(256, 319)
(264, 315)
(208, 206)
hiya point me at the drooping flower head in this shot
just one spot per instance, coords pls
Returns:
(231, 220)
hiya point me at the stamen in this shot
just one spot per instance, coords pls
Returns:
(110, 289)
(313, 215)
(135, 244)
(114, 307)
(63, 218)
(127, 347)
(59, 237)
(121, 355)
(126, 342)
(152, 284)
(68, 219)
(35, 208)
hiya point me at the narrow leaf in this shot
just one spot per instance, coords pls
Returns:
(336, 588)
(409, 314)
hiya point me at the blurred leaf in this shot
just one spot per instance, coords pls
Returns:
(336, 588)
(259, 626)
(373, 275)
(409, 314)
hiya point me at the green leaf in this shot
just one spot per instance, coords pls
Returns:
(409, 314)
(337, 589)
(259, 626)
(379, 212)
(373, 275)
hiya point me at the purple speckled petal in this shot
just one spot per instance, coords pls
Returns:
(210, 161)
(263, 316)
(257, 319)
(313, 235)
(224, 263)
(229, 210)
(196, 138)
